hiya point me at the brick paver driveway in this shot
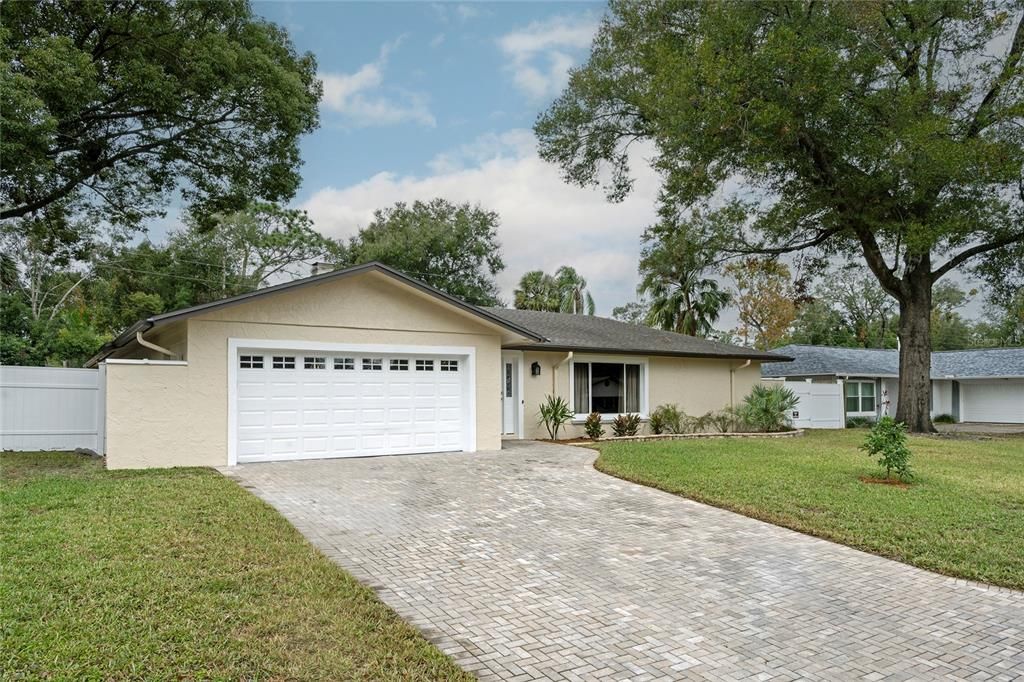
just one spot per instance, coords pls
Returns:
(527, 563)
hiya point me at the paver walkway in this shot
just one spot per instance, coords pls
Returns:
(528, 563)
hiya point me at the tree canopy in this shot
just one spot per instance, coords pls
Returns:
(108, 107)
(453, 247)
(890, 130)
(764, 297)
(564, 292)
(675, 275)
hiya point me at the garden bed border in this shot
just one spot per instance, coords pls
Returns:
(686, 436)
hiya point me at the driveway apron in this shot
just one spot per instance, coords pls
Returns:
(527, 563)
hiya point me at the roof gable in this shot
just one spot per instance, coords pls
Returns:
(399, 278)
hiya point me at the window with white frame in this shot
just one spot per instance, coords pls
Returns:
(344, 363)
(860, 397)
(449, 365)
(607, 387)
(399, 365)
(373, 364)
(310, 362)
(250, 361)
(283, 362)
(424, 365)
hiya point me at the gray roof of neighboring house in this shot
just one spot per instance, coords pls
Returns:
(588, 333)
(953, 364)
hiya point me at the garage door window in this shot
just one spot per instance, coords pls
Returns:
(315, 363)
(250, 361)
(344, 363)
(399, 365)
(424, 365)
(284, 362)
(449, 365)
(373, 364)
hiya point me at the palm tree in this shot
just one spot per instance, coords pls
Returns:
(537, 290)
(573, 294)
(673, 275)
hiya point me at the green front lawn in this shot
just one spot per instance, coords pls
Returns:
(174, 574)
(963, 515)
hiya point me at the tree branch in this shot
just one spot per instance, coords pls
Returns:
(965, 255)
(978, 123)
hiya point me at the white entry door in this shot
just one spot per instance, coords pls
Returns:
(308, 404)
(509, 395)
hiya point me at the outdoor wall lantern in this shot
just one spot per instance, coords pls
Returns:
(535, 369)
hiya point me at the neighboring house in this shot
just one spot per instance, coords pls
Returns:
(978, 385)
(367, 361)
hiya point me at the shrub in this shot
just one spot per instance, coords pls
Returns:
(858, 422)
(667, 419)
(593, 426)
(726, 420)
(888, 440)
(554, 413)
(767, 408)
(945, 419)
(702, 423)
(626, 425)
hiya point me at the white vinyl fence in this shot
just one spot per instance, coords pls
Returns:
(50, 408)
(820, 406)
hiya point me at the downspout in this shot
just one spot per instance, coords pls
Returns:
(554, 372)
(151, 345)
(732, 382)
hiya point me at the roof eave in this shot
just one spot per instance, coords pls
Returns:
(565, 348)
(148, 323)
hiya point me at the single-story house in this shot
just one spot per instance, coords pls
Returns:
(368, 361)
(977, 385)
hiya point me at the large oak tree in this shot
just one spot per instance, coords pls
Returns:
(108, 107)
(889, 130)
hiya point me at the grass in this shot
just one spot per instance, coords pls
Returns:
(178, 573)
(963, 514)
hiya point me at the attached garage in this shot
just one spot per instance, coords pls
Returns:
(320, 401)
(998, 401)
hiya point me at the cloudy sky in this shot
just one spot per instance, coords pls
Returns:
(424, 100)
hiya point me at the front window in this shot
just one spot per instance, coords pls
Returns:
(860, 397)
(606, 387)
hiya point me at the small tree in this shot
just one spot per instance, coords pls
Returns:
(888, 441)
(554, 413)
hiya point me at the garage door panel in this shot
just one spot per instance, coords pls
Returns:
(314, 417)
(338, 405)
(992, 401)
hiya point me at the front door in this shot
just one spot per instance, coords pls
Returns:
(509, 395)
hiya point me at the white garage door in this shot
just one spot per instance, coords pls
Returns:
(295, 404)
(992, 401)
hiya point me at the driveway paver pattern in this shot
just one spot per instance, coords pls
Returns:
(527, 563)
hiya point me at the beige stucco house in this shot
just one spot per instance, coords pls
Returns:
(367, 361)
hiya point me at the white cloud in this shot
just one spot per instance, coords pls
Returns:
(545, 222)
(363, 100)
(539, 55)
(437, 40)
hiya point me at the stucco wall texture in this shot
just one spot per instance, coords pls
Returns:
(168, 415)
(696, 385)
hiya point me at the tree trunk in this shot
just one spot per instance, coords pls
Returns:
(913, 407)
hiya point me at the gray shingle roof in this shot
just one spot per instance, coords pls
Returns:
(829, 360)
(567, 332)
